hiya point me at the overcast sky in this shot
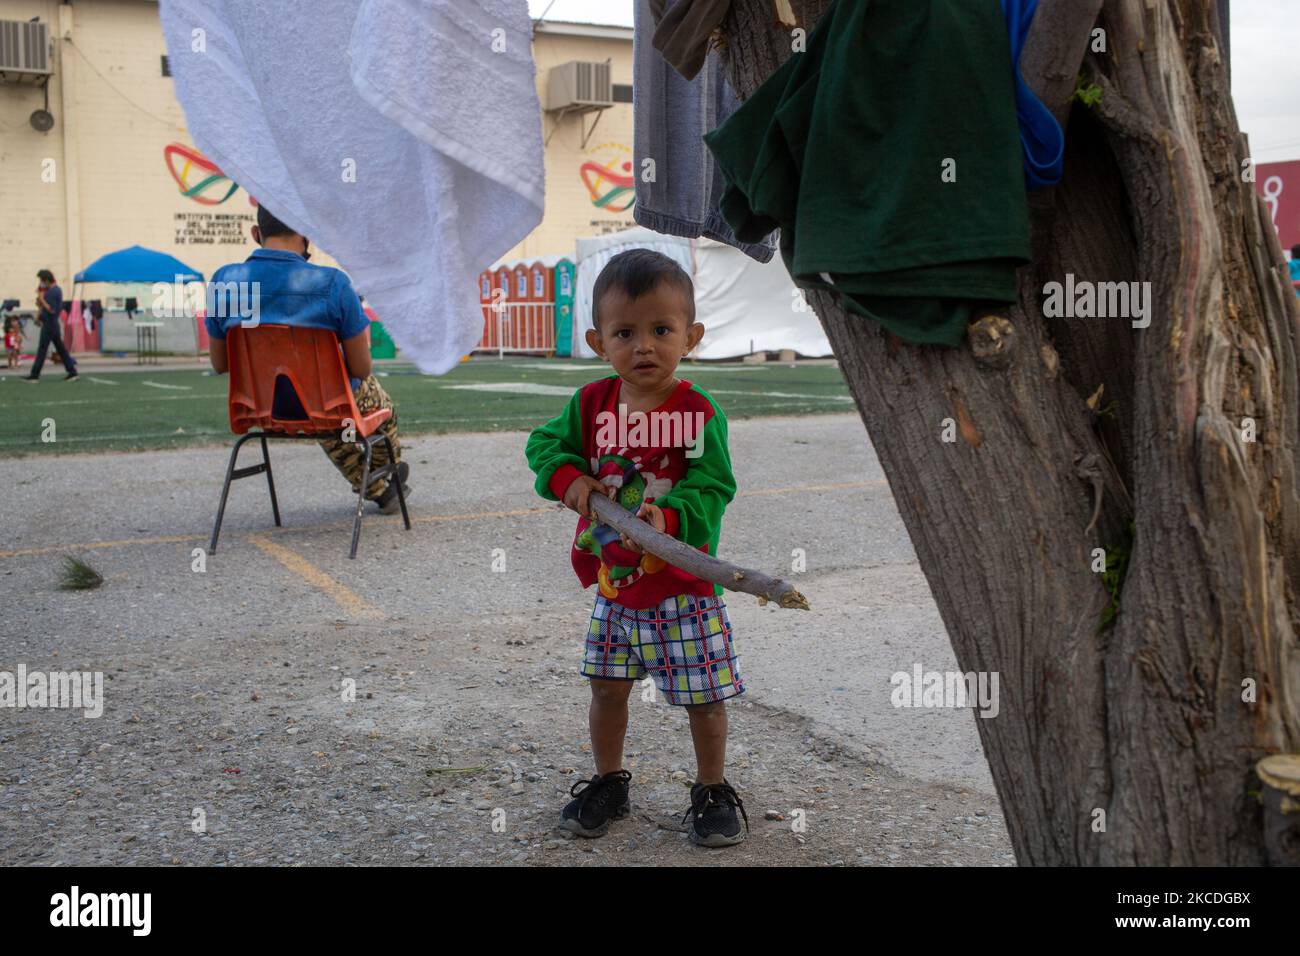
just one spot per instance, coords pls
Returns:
(1265, 64)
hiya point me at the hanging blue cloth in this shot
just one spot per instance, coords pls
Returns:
(1040, 133)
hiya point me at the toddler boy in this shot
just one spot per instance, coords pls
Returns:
(657, 445)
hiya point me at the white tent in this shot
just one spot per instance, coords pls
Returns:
(746, 306)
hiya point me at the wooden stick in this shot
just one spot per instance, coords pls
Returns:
(681, 555)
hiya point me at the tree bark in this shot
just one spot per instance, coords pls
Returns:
(1151, 720)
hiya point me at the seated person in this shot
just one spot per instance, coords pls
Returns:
(292, 292)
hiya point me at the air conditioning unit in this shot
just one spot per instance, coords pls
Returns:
(579, 85)
(24, 49)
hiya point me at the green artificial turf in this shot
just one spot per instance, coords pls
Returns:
(137, 410)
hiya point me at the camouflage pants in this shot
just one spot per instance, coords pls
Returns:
(348, 456)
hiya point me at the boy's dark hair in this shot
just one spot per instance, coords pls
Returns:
(1295, 252)
(636, 272)
(45, 275)
(271, 226)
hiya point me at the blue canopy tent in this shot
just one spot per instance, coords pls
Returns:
(136, 264)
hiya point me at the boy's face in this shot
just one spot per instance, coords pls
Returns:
(645, 338)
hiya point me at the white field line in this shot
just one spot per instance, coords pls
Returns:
(119, 437)
(529, 388)
(604, 369)
(140, 398)
(221, 435)
(820, 398)
(519, 388)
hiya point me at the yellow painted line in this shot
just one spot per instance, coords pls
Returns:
(343, 596)
(96, 545)
(838, 486)
(478, 515)
(420, 519)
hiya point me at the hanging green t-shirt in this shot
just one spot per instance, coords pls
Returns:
(889, 155)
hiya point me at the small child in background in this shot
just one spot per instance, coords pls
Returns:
(13, 340)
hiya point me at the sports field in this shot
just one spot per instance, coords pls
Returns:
(134, 410)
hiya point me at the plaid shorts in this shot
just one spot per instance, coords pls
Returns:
(684, 643)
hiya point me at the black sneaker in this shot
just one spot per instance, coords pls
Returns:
(71, 377)
(713, 809)
(29, 378)
(387, 500)
(596, 803)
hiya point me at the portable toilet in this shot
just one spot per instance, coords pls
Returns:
(502, 287)
(516, 319)
(563, 285)
(485, 304)
(382, 345)
(541, 299)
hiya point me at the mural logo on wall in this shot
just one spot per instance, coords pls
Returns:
(608, 177)
(209, 180)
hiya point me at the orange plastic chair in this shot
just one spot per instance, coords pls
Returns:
(310, 363)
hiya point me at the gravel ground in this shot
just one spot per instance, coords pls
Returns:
(225, 690)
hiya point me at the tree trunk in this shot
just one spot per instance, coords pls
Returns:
(1158, 718)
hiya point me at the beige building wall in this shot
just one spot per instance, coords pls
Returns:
(573, 171)
(33, 209)
(115, 115)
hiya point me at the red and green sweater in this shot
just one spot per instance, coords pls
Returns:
(692, 491)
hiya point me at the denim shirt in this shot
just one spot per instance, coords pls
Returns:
(668, 117)
(281, 288)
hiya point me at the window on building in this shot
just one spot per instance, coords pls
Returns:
(166, 66)
(622, 93)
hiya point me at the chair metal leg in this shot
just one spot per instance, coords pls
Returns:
(368, 474)
(270, 482)
(361, 498)
(225, 492)
(401, 492)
